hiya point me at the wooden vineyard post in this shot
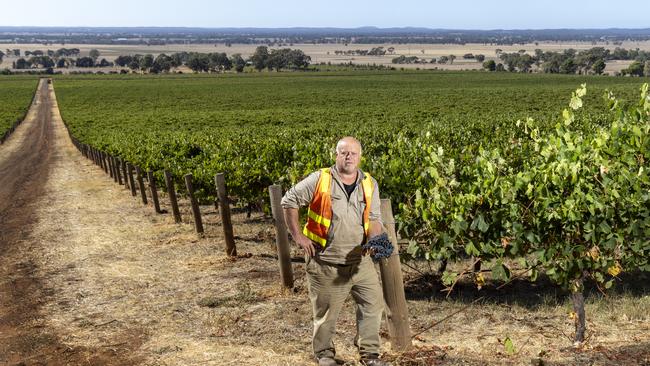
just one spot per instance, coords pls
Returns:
(578, 300)
(281, 236)
(154, 192)
(172, 196)
(129, 170)
(392, 282)
(143, 192)
(104, 163)
(198, 223)
(115, 168)
(124, 171)
(224, 210)
(111, 170)
(118, 169)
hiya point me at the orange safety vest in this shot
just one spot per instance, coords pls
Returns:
(319, 215)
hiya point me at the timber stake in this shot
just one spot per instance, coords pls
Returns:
(224, 209)
(392, 283)
(172, 196)
(198, 223)
(281, 236)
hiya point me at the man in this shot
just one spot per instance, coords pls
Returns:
(343, 213)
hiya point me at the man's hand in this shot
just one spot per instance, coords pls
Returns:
(291, 218)
(369, 252)
(306, 244)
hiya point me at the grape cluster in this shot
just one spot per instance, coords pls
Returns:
(379, 247)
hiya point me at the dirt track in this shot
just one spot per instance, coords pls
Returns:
(27, 161)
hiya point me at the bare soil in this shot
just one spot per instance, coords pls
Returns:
(90, 276)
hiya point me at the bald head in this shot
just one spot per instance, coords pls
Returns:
(348, 155)
(348, 141)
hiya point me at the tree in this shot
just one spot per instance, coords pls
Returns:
(524, 62)
(646, 68)
(238, 62)
(635, 69)
(21, 63)
(568, 66)
(146, 62)
(451, 59)
(198, 62)
(490, 65)
(123, 61)
(278, 59)
(179, 58)
(480, 58)
(85, 62)
(598, 67)
(94, 54)
(219, 62)
(41, 61)
(298, 59)
(510, 60)
(134, 64)
(62, 62)
(260, 58)
(163, 63)
(443, 59)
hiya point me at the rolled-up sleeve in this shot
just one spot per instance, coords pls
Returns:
(375, 204)
(301, 194)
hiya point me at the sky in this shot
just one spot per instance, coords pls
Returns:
(449, 14)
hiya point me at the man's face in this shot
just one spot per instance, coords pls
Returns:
(348, 156)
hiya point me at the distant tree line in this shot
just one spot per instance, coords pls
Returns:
(375, 51)
(591, 61)
(275, 59)
(61, 58)
(440, 60)
(262, 58)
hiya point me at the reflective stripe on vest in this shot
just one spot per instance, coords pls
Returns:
(319, 214)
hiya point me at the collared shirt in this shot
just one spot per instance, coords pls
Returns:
(346, 233)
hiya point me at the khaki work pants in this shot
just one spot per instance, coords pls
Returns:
(329, 286)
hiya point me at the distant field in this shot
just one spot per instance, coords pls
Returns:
(15, 97)
(325, 52)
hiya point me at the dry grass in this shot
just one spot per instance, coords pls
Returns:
(123, 275)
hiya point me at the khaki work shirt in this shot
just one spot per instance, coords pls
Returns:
(346, 234)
